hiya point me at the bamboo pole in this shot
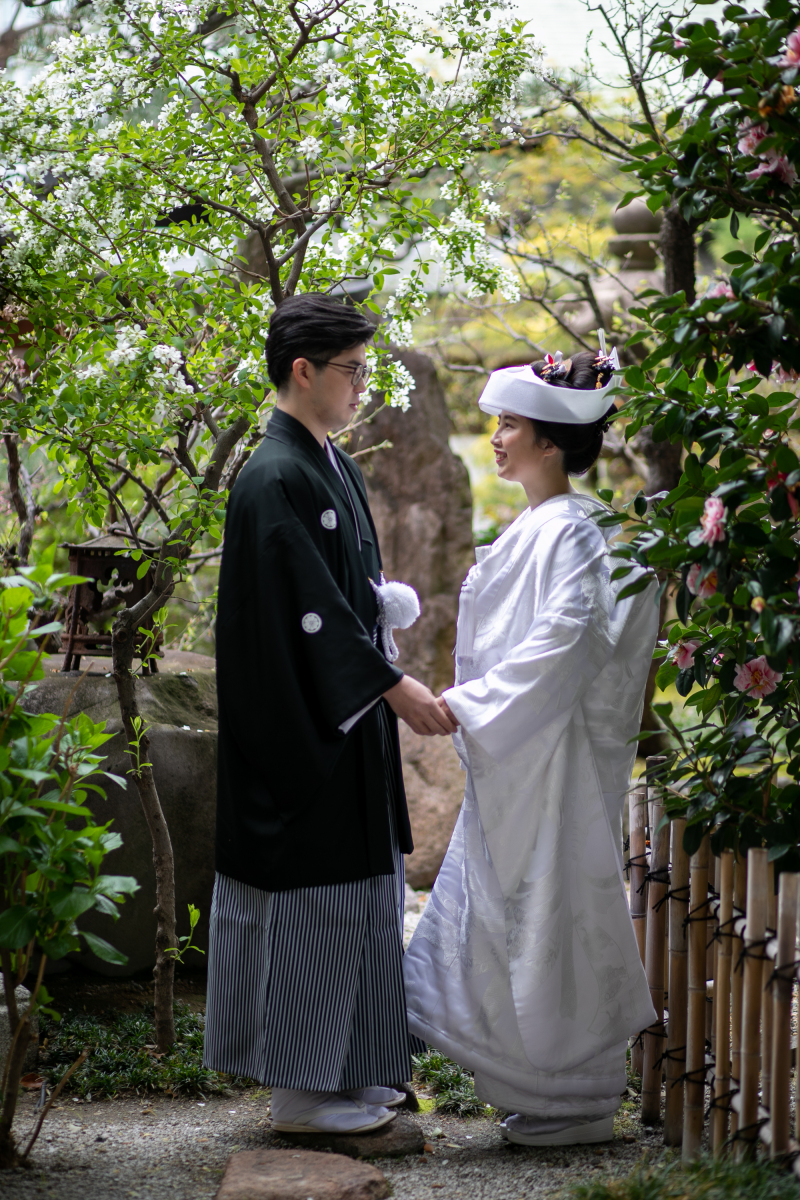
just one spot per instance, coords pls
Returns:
(638, 890)
(737, 982)
(766, 1005)
(782, 1015)
(696, 1024)
(678, 996)
(654, 966)
(722, 998)
(751, 1006)
(797, 1040)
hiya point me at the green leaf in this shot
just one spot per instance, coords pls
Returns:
(66, 906)
(666, 675)
(638, 585)
(17, 926)
(605, 494)
(103, 949)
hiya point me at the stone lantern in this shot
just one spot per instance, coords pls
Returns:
(106, 562)
(636, 245)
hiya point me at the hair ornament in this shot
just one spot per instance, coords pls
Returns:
(603, 366)
(556, 367)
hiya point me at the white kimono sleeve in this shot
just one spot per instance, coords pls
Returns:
(570, 639)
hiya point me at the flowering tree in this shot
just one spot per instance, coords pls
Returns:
(727, 534)
(168, 180)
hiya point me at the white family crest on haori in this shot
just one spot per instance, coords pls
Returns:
(398, 608)
(524, 966)
(329, 519)
(312, 622)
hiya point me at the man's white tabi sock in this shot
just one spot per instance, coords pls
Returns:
(386, 1096)
(324, 1112)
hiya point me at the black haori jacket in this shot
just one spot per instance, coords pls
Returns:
(299, 803)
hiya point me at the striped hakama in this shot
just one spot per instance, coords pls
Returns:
(305, 987)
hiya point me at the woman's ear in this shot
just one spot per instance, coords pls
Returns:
(547, 447)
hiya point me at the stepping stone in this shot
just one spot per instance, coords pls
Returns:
(401, 1136)
(299, 1175)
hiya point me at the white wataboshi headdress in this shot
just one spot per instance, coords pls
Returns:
(520, 390)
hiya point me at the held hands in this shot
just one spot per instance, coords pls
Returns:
(419, 708)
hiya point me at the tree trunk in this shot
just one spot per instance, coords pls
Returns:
(9, 1155)
(123, 641)
(676, 244)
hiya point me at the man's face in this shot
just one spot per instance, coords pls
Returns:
(332, 395)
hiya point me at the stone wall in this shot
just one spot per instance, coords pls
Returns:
(180, 707)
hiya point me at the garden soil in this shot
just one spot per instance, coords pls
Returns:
(128, 1148)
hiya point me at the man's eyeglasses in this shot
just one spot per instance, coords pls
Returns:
(359, 372)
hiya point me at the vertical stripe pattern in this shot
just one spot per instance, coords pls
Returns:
(305, 987)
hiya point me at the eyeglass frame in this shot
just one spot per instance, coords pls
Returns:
(360, 372)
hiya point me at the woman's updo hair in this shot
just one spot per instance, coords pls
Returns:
(580, 444)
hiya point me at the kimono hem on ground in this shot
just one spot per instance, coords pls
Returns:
(524, 967)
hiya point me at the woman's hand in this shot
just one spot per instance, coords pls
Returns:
(443, 705)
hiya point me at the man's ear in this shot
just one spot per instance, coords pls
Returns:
(303, 372)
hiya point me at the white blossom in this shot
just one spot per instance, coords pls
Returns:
(310, 148)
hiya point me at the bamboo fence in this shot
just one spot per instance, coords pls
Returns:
(719, 943)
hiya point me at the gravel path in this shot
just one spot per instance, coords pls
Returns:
(116, 1149)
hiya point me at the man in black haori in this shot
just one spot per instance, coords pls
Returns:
(305, 988)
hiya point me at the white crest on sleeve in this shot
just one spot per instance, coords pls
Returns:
(329, 519)
(312, 623)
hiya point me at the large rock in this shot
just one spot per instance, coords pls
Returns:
(299, 1175)
(400, 1137)
(180, 706)
(435, 789)
(23, 998)
(420, 498)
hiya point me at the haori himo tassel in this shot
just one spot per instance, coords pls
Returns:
(398, 608)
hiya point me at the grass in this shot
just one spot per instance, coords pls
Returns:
(706, 1179)
(452, 1086)
(123, 1057)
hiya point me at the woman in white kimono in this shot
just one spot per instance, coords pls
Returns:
(524, 967)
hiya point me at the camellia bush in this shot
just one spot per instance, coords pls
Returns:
(719, 377)
(51, 846)
(169, 179)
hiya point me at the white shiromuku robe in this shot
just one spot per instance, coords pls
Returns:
(524, 967)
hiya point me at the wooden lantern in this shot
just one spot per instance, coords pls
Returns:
(100, 560)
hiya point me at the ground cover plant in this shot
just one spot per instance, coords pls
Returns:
(707, 1179)
(452, 1086)
(123, 1058)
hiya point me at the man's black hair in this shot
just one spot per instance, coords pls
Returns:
(314, 327)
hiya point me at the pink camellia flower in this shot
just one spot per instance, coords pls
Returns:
(791, 55)
(723, 288)
(757, 678)
(785, 376)
(683, 653)
(713, 521)
(777, 165)
(709, 584)
(750, 137)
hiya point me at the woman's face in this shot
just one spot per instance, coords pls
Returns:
(518, 455)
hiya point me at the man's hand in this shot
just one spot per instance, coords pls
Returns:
(419, 708)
